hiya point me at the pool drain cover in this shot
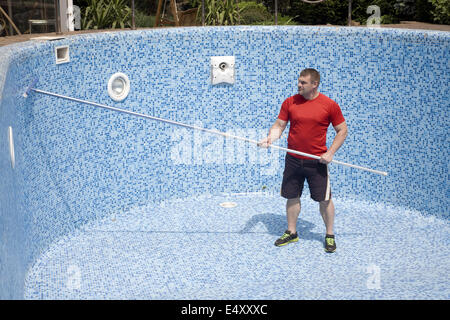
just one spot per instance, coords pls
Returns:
(228, 204)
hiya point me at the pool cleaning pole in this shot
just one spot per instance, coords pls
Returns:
(30, 88)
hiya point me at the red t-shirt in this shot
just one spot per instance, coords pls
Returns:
(309, 122)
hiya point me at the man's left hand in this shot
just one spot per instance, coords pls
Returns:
(326, 158)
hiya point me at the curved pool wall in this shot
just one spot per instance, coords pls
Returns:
(75, 163)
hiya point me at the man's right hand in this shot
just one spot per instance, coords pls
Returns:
(274, 133)
(265, 143)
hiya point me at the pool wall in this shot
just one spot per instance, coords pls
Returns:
(76, 163)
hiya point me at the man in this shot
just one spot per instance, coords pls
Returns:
(310, 113)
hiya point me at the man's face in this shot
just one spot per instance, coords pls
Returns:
(305, 86)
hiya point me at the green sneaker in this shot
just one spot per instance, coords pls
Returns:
(330, 243)
(286, 238)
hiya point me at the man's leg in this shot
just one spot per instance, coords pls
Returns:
(292, 213)
(327, 211)
(319, 184)
(291, 189)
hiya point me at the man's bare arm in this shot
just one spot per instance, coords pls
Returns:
(341, 134)
(275, 133)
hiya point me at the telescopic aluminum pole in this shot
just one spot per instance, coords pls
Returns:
(224, 134)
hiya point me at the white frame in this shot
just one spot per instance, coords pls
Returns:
(66, 57)
(227, 75)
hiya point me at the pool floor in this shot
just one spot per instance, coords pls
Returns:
(195, 249)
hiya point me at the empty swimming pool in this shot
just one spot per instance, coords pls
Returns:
(97, 204)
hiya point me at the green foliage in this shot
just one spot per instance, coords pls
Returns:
(195, 3)
(387, 19)
(253, 13)
(219, 12)
(441, 11)
(329, 11)
(423, 11)
(284, 6)
(391, 11)
(121, 13)
(102, 14)
(142, 20)
(98, 14)
(286, 20)
(405, 8)
(394, 11)
(282, 20)
(387, 11)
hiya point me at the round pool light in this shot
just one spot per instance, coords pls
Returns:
(118, 86)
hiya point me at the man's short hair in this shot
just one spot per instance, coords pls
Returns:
(315, 76)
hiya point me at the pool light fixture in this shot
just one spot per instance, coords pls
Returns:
(118, 86)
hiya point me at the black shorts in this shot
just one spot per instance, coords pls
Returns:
(295, 172)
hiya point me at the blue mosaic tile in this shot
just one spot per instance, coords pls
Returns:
(191, 248)
(78, 166)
